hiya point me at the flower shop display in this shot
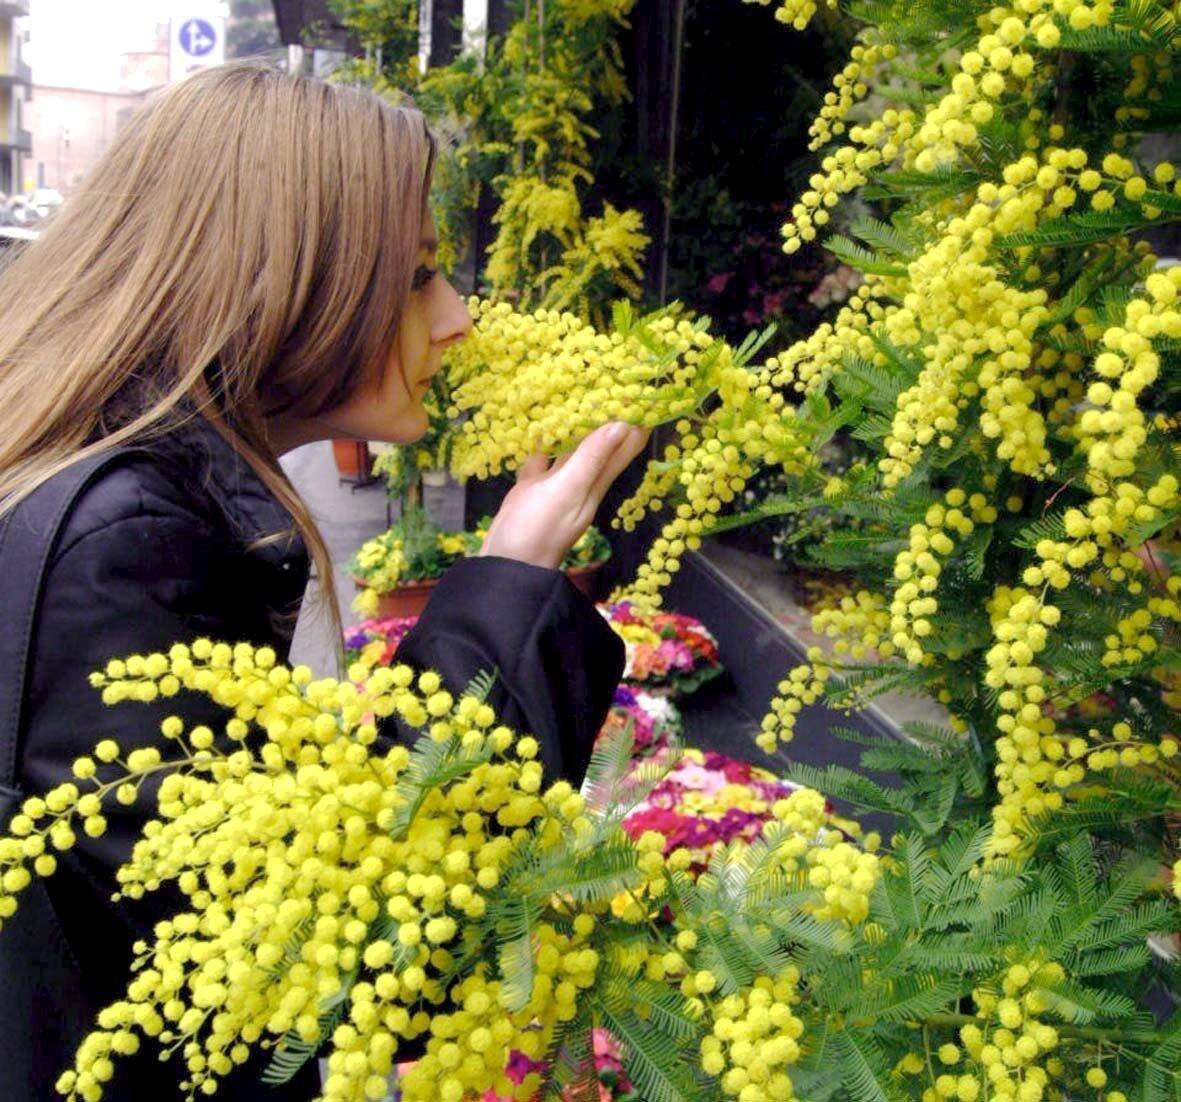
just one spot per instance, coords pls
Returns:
(396, 571)
(705, 802)
(1011, 362)
(667, 652)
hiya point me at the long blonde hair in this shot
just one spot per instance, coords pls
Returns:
(244, 248)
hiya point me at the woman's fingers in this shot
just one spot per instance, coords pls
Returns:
(631, 446)
(581, 470)
(533, 467)
(597, 461)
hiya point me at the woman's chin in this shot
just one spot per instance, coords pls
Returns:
(413, 425)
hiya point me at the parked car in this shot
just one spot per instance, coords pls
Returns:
(11, 237)
(28, 210)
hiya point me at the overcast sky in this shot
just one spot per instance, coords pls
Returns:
(78, 43)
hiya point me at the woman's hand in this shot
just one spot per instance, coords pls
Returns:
(550, 507)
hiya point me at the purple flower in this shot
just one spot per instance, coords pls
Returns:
(519, 1065)
(625, 697)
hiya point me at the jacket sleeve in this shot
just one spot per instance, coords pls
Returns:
(556, 660)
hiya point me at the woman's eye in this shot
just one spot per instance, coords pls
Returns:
(422, 277)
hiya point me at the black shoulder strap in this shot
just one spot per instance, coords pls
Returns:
(28, 537)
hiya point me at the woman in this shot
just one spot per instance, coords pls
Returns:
(249, 268)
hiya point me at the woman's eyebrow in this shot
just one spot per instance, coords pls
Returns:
(429, 243)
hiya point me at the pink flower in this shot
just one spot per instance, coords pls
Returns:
(519, 1065)
(699, 778)
(717, 284)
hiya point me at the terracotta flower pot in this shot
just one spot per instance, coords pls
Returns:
(408, 599)
(352, 458)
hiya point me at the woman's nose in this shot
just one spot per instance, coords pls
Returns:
(452, 322)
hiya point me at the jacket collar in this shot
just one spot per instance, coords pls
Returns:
(251, 510)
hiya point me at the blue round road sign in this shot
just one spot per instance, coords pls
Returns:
(197, 37)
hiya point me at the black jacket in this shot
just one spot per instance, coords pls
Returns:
(156, 553)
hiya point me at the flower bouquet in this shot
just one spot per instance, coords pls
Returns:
(668, 653)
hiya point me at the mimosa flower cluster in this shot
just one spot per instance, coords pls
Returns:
(1007, 363)
(347, 895)
(342, 890)
(543, 381)
(756, 1034)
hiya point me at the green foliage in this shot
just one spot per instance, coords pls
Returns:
(250, 29)
(522, 125)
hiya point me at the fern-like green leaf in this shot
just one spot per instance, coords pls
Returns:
(859, 257)
(864, 1069)
(482, 684)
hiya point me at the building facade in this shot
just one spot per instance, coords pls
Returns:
(73, 125)
(72, 128)
(15, 82)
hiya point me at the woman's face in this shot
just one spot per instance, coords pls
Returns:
(389, 408)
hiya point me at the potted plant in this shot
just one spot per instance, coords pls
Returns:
(397, 570)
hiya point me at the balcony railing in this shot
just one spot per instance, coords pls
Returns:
(13, 9)
(23, 143)
(10, 75)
